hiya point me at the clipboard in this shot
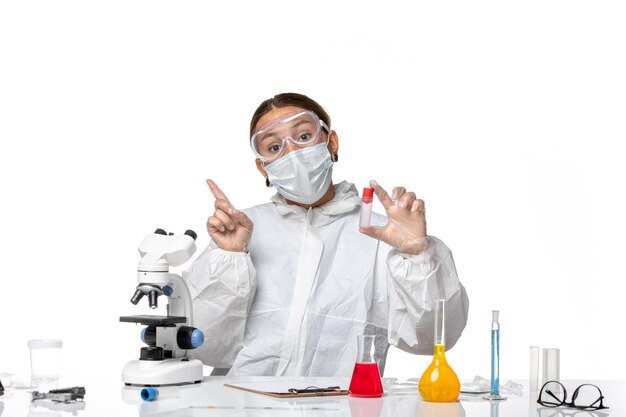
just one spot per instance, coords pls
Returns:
(285, 389)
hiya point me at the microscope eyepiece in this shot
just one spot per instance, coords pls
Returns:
(138, 296)
(191, 233)
(152, 299)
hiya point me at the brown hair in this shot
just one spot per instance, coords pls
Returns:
(288, 99)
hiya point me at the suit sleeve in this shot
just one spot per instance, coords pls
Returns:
(222, 286)
(414, 282)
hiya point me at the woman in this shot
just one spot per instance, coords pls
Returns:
(285, 287)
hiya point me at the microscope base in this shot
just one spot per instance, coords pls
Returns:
(162, 372)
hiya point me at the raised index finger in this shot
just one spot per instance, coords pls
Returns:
(382, 195)
(217, 191)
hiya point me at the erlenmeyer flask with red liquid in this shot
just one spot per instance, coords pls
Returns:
(366, 381)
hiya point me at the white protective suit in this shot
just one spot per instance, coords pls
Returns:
(310, 284)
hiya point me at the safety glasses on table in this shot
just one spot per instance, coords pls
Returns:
(303, 129)
(585, 397)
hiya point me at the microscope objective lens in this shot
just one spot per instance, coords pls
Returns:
(152, 299)
(136, 297)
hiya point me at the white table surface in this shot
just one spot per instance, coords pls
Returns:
(108, 397)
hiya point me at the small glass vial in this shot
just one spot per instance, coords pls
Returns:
(366, 207)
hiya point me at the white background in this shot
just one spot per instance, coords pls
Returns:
(505, 117)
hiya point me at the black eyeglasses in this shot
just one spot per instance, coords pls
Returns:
(585, 397)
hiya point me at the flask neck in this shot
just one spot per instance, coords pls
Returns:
(440, 351)
(440, 322)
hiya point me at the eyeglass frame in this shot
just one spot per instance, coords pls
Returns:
(574, 396)
(319, 121)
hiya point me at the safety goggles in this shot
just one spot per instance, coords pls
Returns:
(303, 129)
(585, 397)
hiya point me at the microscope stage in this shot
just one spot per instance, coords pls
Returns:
(159, 321)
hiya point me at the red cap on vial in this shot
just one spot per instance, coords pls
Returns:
(368, 193)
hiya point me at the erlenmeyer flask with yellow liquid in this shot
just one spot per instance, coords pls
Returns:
(439, 382)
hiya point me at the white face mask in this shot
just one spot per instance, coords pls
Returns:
(302, 175)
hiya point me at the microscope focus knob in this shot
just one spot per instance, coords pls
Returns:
(189, 337)
(148, 335)
(197, 338)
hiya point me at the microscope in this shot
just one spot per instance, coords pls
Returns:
(164, 361)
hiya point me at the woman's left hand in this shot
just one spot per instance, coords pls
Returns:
(406, 228)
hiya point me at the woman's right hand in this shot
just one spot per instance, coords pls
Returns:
(229, 228)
